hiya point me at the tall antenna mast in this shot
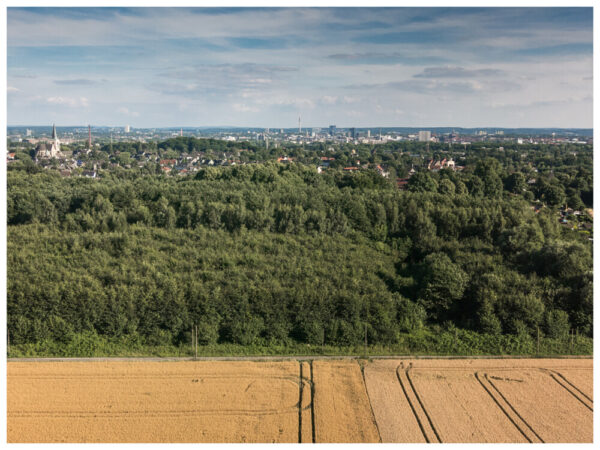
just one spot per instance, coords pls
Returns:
(299, 125)
(89, 136)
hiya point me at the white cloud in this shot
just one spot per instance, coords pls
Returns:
(260, 81)
(127, 112)
(458, 72)
(12, 89)
(241, 107)
(72, 102)
(329, 100)
(354, 113)
(297, 102)
(350, 100)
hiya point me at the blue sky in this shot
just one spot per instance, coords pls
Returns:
(263, 67)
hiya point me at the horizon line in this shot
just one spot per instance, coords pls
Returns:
(309, 127)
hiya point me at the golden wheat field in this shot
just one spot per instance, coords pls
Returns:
(502, 400)
(382, 400)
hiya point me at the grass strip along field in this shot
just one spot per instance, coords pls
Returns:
(382, 400)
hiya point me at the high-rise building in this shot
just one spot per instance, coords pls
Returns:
(127, 128)
(424, 136)
(28, 132)
(353, 133)
(369, 133)
(332, 130)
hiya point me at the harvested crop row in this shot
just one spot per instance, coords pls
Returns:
(341, 405)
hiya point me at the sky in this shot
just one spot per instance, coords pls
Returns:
(266, 67)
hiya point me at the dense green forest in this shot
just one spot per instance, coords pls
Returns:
(276, 255)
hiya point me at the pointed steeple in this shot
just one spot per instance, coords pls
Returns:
(54, 131)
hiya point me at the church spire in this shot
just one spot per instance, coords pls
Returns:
(54, 131)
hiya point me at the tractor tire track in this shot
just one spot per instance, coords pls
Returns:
(565, 383)
(422, 405)
(362, 370)
(409, 393)
(502, 408)
(522, 425)
(312, 404)
(300, 388)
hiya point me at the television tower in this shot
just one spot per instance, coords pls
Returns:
(90, 137)
(299, 125)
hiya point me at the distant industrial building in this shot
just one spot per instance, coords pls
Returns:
(424, 136)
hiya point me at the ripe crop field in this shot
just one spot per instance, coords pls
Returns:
(520, 400)
(507, 400)
(154, 402)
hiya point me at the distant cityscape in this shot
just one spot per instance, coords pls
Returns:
(331, 133)
(88, 151)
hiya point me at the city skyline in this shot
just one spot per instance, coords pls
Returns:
(253, 67)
